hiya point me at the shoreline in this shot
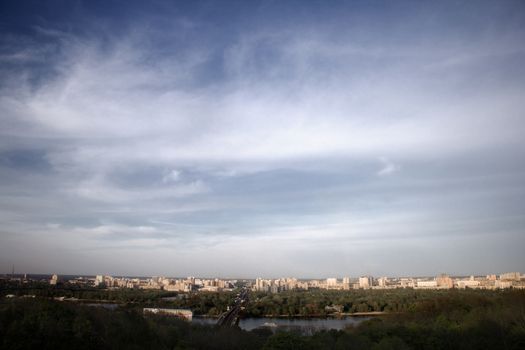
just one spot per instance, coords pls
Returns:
(329, 316)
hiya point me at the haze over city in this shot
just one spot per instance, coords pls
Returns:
(262, 139)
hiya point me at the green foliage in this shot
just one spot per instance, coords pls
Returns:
(285, 341)
(428, 320)
(391, 343)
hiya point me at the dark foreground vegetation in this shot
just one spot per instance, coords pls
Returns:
(423, 320)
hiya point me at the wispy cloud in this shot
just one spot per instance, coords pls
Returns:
(388, 167)
(243, 136)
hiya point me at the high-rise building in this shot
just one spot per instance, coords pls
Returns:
(331, 282)
(382, 281)
(510, 276)
(365, 282)
(54, 280)
(444, 281)
(346, 283)
(99, 279)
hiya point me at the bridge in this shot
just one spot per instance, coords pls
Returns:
(230, 317)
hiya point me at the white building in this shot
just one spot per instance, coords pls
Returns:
(502, 284)
(365, 282)
(99, 279)
(54, 279)
(331, 282)
(181, 313)
(382, 281)
(427, 284)
(470, 283)
(510, 276)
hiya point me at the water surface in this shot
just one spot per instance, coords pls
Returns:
(304, 325)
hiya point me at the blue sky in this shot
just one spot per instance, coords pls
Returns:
(268, 138)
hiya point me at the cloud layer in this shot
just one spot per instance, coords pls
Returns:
(203, 141)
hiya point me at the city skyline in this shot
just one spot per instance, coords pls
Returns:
(190, 284)
(262, 138)
(338, 277)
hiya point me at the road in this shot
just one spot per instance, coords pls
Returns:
(230, 318)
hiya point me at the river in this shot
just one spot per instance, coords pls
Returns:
(304, 325)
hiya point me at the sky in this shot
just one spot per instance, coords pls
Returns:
(262, 138)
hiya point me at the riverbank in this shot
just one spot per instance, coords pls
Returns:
(319, 316)
(305, 325)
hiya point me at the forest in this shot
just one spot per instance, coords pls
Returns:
(455, 319)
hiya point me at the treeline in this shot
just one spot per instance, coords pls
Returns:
(311, 303)
(444, 321)
(321, 303)
(45, 290)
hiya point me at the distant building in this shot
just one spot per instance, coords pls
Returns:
(406, 282)
(510, 276)
(470, 283)
(334, 308)
(502, 284)
(331, 283)
(427, 284)
(365, 282)
(346, 283)
(54, 280)
(181, 313)
(262, 285)
(99, 280)
(444, 281)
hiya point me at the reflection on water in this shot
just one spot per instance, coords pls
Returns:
(108, 306)
(304, 325)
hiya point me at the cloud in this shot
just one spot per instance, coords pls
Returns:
(388, 167)
(244, 137)
(171, 176)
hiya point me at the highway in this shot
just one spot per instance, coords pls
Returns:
(230, 318)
